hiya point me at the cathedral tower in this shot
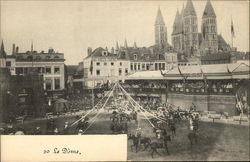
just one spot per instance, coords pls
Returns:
(190, 27)
(160, 31)
(177, 34)
(209, 30)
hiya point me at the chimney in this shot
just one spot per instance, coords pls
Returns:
(17, 49)
(89, 51)
(13, 49)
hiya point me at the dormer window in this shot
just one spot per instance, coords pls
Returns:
(135, 56)
(104, 53)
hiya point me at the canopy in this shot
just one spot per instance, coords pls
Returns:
(198, 72)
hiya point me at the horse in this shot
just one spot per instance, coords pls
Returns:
(141, 141)
(135, 142)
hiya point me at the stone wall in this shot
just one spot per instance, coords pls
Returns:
(218, 103)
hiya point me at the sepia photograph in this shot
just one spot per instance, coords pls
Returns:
(132, 80)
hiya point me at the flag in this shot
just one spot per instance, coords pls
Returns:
(91, 67)
(232, 29)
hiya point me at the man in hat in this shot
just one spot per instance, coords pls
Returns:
(66, 128)
(37, 131)
(138, 134)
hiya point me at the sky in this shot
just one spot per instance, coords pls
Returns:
(71, 27)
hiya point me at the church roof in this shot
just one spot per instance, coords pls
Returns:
(189, 10)
(209, 11)
(159, 18)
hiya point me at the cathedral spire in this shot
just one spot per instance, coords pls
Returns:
(2, 51)
(176, 22)
(159, 18)
(189, 10)
(2, 46)
(135, 46)
(116, 46)
(209, 10)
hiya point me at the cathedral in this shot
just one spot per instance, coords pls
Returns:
(186, 38)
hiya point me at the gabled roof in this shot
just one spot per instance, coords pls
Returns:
(98, 53)
(159, 18)
(189, 10)
(209, 11)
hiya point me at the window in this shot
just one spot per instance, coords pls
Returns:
(30, 58)
(143, 66)
(135, 56)
(112, 64)
(120, 63)
(104, 53)
(57, 83)
(8, 63)
(47, 57)
(139, 67)
(147, 67)
(57, 70)
(131, 67)
(48, 70)
(120, 72)
(163, 66)
(105, 64)
(156, 66)
(135, 67)
(98, 72)
(126, 71)
(40, 70)
(98, 64)
(48, 84)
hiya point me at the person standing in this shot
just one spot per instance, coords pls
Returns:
(166, 138)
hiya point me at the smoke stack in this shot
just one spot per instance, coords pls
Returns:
(89, 51)
(17, 49)
(13, 49)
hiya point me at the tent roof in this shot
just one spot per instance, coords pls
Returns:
(218, 70)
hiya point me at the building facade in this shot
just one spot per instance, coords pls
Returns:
(50, 64)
